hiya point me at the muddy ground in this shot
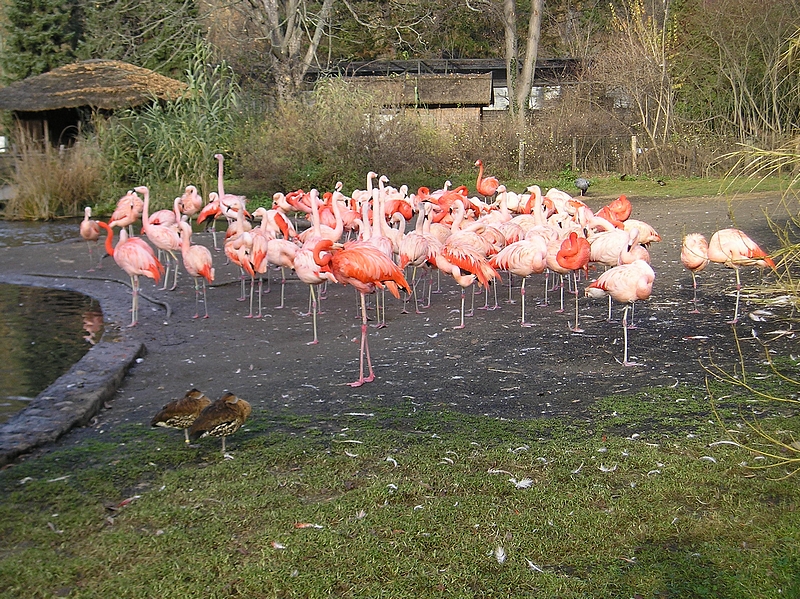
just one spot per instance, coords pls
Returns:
(492, 367)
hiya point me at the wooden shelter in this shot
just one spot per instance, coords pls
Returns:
(55, 104)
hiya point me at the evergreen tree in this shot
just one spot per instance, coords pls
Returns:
(39, 36)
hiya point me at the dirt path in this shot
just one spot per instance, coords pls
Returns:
(492, 367)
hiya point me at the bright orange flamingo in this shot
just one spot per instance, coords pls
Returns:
(90, 231)
(626, 283)
(198, 263)
(487, 187)
(367, 269)
(733, 248)
(574, 256)
(135, 257)
(694, 256)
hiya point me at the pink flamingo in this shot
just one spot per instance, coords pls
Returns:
(308, 271)
(487, 187)
(90, 231)
(733, 248)
(694, 256)
(211, 211)
(522, 258)
(135, 257)
(198, 263)
(626, 283)
(191, 202)
(367, 269)
(164, 237)
(128, 210)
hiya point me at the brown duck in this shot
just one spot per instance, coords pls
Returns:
(181, 413)
(220, 419)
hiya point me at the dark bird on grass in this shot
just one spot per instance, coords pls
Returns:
(582, 184)
(220, 419)
(181, 413)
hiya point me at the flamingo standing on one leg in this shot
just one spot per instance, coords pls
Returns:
(366, 268)
(522, 258)
(733, 248)
(90, 231)
(626, 283)
(574, 256)
(694, 256)
(198, 263)
(135, 257)
(308, 271)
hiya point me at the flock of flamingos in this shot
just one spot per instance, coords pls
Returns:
(363, 240)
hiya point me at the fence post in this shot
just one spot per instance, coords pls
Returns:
(521, 157)
(634, 152)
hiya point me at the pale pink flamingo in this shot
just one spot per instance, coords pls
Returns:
(308, 271)
(487, 186)
(417, 248)
(136, 258)
(191, 202)
(90, 231)
(198, 263)
(365, 268)
(281, 253)
(694, 256)
(522, 258)
(647, 234)
(164, 237)
(626, 283)
(128, 210)
(733, 248)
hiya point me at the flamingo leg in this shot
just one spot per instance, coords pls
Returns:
(168, 265)
(313, 310)
(252, 284)
(546, 285)
(205, 299)
(694, 298)
(260, 284)
(175, 280)
(561, 287)
(510, 287)
(134, 300)
(522, 301)
(625, 361)
(463, 295)
(738, 293)
(576, 328)
(364, 349)
(283, 287)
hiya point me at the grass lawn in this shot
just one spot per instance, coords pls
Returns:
(647, 498)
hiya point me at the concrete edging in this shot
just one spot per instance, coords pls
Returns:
(70, 401)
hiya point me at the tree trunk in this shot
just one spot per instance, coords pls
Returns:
(528, 69)
(512, 52)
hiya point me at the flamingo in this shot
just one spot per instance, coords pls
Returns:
(625, 283)
(308, 271)
(733, 248)
(164, 237)
(221, 418)
(136, 258)
(522, 258)
(211, 211)
(487, 187)
(90, 231)
(198, 263)
(574, 256)
(181, 413)
(694, 256)
(365, 268)
(191, 202)
(128, 210)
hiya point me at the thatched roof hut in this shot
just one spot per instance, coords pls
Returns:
(55, 100)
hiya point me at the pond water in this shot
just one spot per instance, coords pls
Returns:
(43, 332)
(16, 233)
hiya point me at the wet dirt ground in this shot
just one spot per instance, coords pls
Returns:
(492, 367)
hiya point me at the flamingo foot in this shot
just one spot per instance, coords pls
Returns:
(559, 311)
(576, 329)
(526, 324)
(313, 342)
(695, 311)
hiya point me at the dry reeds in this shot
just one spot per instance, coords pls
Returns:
(52, 182)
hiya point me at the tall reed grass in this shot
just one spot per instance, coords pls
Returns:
(53, 182)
